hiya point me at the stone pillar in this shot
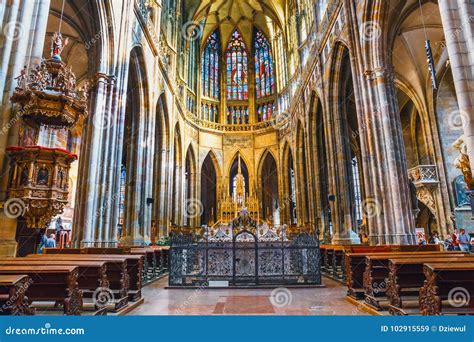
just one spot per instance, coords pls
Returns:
(92, 204)
(457, 17)
(23, 27)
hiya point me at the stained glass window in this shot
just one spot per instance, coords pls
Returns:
(265, 111)
(210, 67)
(237, 68)
(264, 76)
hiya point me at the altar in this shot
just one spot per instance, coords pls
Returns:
(243, 253)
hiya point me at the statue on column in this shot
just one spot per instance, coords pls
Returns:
(462, 162)
(58, 44)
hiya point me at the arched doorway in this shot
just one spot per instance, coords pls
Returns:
(270, 207)
(291, 189)
(209, 191)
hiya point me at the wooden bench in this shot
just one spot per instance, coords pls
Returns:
(150, 262)
(51, 283)
(377, 271)
(12, 295)
(92, 277)
(116, 271)
(406, 278)
(162, 258)
(453, 282)
(355, 264)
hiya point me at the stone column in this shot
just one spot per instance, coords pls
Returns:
(457, 17)
(23, 27)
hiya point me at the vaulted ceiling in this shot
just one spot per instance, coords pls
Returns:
(227, 15)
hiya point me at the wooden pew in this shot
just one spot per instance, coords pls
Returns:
(12, 295)
(150, 262)
(447, 281)
(322, 260)
(135, 265)
(331, 259)
(51, 283)
(63, 251)
(162, 255)
(92, 276)
(377, 271)
(406, 278)
(116, 270)
(354, 267)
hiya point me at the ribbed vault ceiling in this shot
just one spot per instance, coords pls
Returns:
(242, 14)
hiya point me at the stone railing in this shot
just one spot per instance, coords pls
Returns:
(274, 123)
(424, 175)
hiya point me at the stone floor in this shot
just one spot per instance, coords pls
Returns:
(283, 301)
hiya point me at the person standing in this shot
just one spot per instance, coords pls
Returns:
(454, 239)
(42, 244)
(51, 242)
(464, 241)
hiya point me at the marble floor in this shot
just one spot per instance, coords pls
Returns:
(329, 300)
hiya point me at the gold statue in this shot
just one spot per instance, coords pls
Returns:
(240, 187)
(463, 164)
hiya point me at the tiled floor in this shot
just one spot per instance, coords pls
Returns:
(292, 301)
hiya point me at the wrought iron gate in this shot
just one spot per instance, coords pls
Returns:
(245, 261)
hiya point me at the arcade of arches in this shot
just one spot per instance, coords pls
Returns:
(315, 114)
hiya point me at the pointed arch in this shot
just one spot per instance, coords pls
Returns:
(233, 170)
(209, 189)
(177, 176)
(268, 179)
(289, 186)
(190, 189)
(301, 172)
(210, 66)
(237, 68)
(264, 67)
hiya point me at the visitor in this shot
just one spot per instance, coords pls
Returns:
(464, 241)
(434, 239)
(42, 244)
(51, 242)
(454, 238)
(448, 243)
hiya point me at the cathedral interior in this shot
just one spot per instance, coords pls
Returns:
(127, 122)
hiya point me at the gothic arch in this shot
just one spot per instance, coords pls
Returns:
(210, 176)
(268, 188)
(192, 208)
(161, 162)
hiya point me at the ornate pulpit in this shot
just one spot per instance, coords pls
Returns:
(47, 96)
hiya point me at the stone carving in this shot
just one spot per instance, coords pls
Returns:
(463, 164)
